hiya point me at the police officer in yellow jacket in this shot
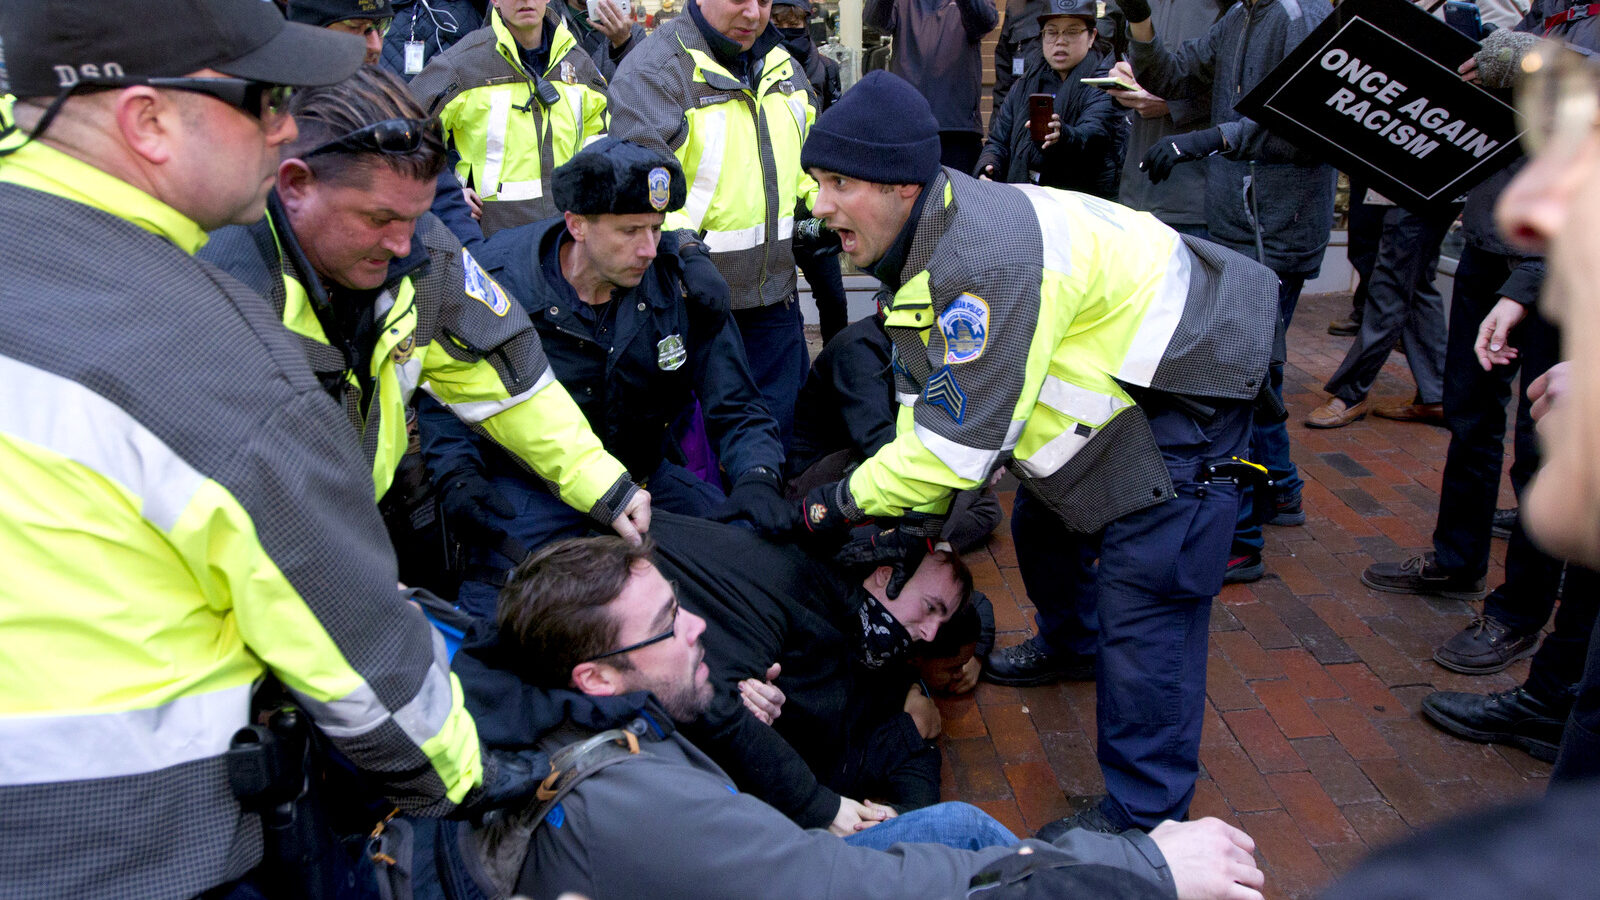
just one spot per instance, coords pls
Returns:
(1109, 363)
(384, 301)
(185, 513)
(517, 98)
(717, 88)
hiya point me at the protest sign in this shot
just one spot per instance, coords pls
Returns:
(1374, 90)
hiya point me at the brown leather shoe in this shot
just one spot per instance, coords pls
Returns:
(1334, 414)
(1402, 410)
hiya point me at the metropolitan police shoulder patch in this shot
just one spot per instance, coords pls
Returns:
(660, 184)
(965, 326)
(479, 286)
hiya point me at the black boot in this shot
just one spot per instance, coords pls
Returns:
(1515, 717)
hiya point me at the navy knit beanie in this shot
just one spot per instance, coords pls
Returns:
(882, 130)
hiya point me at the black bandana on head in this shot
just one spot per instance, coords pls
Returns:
(883, 638)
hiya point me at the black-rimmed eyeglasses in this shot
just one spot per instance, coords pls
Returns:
(388, 136)
(672, 629)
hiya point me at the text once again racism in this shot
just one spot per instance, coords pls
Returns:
(1375, 113)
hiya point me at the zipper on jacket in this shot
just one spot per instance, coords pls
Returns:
(1244, 44)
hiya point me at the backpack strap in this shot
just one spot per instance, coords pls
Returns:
(495, 853)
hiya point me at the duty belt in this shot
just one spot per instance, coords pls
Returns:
(1571, 15)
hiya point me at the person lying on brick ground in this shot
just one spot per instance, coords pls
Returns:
(1553, 205)
(854, 712)
(600, 642)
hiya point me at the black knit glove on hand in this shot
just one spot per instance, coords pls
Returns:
(701, 280)
(473, 509)
(1166, 153)
(758, 497)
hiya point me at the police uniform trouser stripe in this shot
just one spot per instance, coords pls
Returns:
(1160, 321)
(476, 411)
(67, 418)
(747, 238)
(713, 125)
(495, 142)
(46, 749)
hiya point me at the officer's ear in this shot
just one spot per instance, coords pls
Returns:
(145, 119)
(295, 183)
(577, 226)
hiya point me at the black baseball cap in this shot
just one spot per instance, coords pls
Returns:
(1083, 9)
(323, 13)
(46, 46)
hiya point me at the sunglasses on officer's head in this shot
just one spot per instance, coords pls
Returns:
(388, 136)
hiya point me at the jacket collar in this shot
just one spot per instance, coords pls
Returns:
(738, 62)
(555, 31)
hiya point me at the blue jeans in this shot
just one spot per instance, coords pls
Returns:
(1269, 443)
(958, 825)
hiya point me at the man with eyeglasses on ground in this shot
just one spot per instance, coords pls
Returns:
(598, 641)
(384, 302)
(185, 514)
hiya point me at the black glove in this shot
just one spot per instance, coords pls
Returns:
(813, 237)
(901, 548)
(1135, 10)
(473, 509)
(822, 510)
(1180, 148)
(510, 778)
(758, 496)
(701, 281)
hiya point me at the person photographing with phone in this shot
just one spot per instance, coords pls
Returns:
(1054, 130)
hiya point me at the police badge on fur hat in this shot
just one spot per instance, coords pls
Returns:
(613, 177)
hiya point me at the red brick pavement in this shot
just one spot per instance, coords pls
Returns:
(1313, 740)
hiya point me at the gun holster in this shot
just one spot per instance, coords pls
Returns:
(271, 771)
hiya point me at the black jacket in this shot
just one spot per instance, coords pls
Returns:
(766, 603)
(847, 401)
(662, 351)
(1094, 132)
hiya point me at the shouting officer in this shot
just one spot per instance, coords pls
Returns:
(1108, 362)
(516, 98)
(634, 349)
(384, 301)
(185, 513)
(718, 89)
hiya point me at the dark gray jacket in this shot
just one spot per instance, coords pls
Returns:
(1477, 218)
(1293, 191)
(1180, 200)
(670, 824)
(937, 49)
